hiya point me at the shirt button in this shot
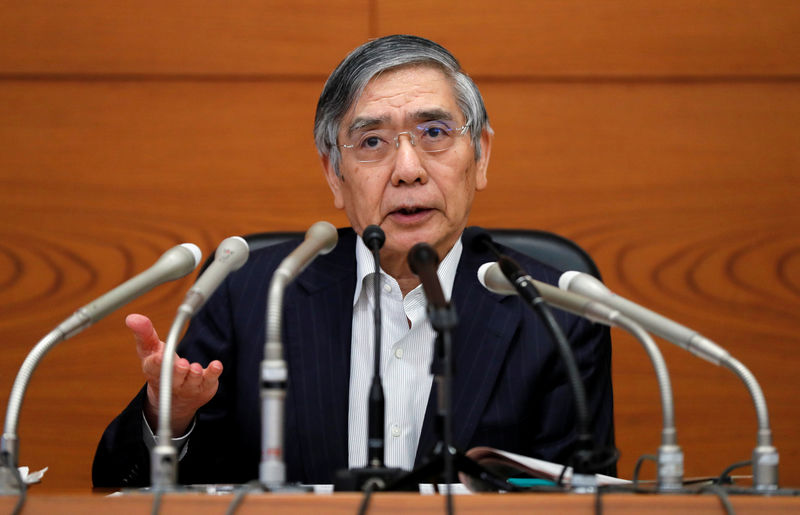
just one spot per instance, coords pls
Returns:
(395, 430)
(387, 288)
(398, 353)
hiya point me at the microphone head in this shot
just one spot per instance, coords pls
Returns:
(566, 279)
(420, 255)
(325, 233)
(195, 251)
(482, 271)
(373, 237)
(178, 261)
(233, 251)
(491, 277)
(585, 284)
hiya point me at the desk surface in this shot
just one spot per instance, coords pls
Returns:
(348, 503)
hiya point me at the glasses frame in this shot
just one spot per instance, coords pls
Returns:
(454, 132)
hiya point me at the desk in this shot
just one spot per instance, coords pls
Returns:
(401, 503)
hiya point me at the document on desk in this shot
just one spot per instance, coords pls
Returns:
(507, 465)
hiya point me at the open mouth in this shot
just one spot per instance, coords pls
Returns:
(410, 210)
(411, 213)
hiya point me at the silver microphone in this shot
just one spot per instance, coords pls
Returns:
(765, 456)
(320, 238)
(231, 254)
(173, 264)
(492, 278)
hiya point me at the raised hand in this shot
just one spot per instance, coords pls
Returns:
(192, 385)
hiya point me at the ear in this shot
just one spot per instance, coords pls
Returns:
(334, 181)
(482, 165)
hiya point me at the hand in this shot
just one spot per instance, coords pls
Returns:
(192, 385)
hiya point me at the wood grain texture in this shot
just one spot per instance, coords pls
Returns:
(263, 37)
(620, 38)
(683, 189)
(402, 503)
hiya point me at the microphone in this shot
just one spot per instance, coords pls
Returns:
(670, 455)
(423, 260)
(765, 456)
(374, 238)
(684, 337)
(320, 238)
(231, 254)
(584, 456)
(375, 475)
(173, 264)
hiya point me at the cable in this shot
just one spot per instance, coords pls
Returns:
(158, 493)
(722, 495)
(23, 487)
(240, 495)
(369, 487)
(638, 466)
(724, 477)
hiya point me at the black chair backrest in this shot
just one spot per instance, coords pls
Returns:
(547, 247)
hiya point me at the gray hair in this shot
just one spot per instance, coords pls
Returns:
(348, 80)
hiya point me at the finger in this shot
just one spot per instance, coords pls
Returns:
(213, 371)
(179, 372)
(151, 367)
(147, 341)
(210, 380)
(193, 380)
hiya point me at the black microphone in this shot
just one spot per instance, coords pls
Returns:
(374, 238)
(375, 476)
(423, 261)
(583, 458)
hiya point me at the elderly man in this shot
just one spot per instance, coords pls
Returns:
(404, 140)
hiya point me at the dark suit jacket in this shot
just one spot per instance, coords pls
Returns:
(509, 389)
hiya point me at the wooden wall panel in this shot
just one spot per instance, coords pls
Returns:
(621, 38)
(663, 139)
(98, 180)
(183, 37)
(686, 195)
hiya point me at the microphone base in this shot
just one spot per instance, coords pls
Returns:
(8, 482)
(356, 480)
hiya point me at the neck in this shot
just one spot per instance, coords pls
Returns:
(397, 267)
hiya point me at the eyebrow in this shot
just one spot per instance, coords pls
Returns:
(366, 122)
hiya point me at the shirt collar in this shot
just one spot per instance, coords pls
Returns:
(365, 265)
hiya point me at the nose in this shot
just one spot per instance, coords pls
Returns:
(408, 167)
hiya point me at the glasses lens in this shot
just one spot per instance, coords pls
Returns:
(435, 136)
(376, 145)
(372, 146)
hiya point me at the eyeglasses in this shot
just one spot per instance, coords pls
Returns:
(375, 146)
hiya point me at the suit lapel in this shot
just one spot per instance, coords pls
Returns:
(486, 325)
(318, 324)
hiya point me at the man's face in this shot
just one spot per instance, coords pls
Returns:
(414, 196)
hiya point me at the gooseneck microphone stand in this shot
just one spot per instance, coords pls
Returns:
(445, 458)
(375, 476)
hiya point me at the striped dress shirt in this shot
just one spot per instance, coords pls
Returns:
(406, 354)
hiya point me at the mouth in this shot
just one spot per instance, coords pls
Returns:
(409, 214)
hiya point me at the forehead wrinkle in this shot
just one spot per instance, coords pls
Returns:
(423, 115)
(364, 122)
(436, 113)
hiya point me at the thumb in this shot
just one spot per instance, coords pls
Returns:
(147, 341)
